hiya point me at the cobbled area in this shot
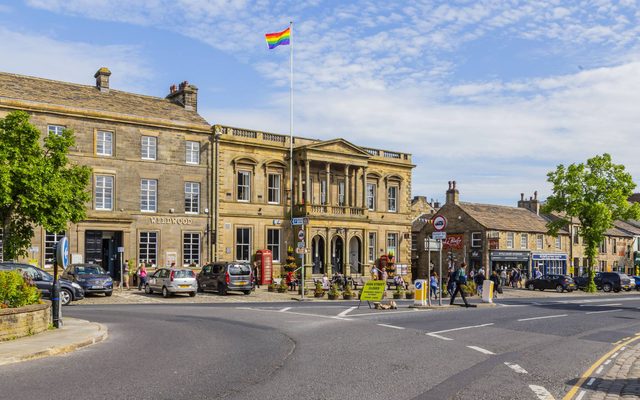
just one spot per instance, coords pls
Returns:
(620, 381)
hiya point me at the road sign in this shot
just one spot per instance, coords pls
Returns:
(300, 221)
(373, 291)
(302, 250)
(62, 252)
(439, 223)
(301, 244)
(300, 235)
(120, 249)
(432, 244)
(439, 236)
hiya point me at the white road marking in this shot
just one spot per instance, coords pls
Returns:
(600, 305)
(603, 311)
(435, 334)
(542, 393)
(535, 303)
(599, 369)
(481, 350)
(391, 326)
(591, 381)
(607, 362)
(285, 309)
(615, 355)
(438, 336)
(598, 300)
(546, 316)
(622, 348)
(295, 313)
(389, 312)
(581, 395)
(347, 311)
(516, 368)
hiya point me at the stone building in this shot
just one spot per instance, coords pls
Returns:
(151, 161)
(357, 201)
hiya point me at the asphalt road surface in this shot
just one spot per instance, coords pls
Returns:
(521, 349)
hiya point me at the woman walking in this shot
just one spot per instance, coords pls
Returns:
(142, 276)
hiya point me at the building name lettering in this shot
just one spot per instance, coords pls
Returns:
(172, 220)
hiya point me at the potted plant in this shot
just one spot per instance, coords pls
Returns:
(318, 292)
(282, 287)
(290, 264)
(271, 287)
(410, 294)
(333, 293)
(398, 293)
(348, 293)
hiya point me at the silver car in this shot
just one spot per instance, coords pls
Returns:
(169, 281)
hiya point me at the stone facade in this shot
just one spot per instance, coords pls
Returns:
(347, 230)
(24, 321)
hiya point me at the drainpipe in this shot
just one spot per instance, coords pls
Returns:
(216, 162)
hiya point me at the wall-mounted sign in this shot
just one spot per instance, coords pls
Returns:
(171, 220)
(454, 241)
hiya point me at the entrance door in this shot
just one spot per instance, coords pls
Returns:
(317, 254)
(101, 247)
(336, 255)
(354, 255)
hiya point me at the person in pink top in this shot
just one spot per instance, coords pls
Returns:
(142, 276)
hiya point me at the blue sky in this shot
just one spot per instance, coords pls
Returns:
(493, 94)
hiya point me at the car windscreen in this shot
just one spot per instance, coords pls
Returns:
(184, 273)
(239, 269)
(624, 276)
(89, 269)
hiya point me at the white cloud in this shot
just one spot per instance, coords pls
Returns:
(36, 55)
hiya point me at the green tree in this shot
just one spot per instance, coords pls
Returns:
(37, 184)
(595, 193)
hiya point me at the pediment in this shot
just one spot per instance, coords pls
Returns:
(338, 146)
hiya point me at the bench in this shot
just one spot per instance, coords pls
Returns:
(392, 282)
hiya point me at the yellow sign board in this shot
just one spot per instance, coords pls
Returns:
(373, 290)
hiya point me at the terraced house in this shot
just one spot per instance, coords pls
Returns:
(151, 161)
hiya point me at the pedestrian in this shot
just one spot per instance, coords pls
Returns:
(496, 284)
(460, 279)
(256, 279)
(325, 282)
(503, 276)
(479, 280)
(142, 276)
(451, 284)
(433, 283)
(125, 277)
(374, 273)
(290, 280)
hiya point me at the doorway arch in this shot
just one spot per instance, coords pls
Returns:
(355, 255)
(317, 255)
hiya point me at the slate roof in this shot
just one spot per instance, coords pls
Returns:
(420, 222)
(504, 218)
(622, 228)
(90, 98)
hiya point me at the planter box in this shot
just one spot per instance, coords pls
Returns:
(397, 296)
(331, 297)
(345, 297)
(410, 296)
(24, 321)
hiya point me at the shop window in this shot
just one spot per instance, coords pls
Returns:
(104, 143)
(476, 239)
(148, 247)
(524, 241)
(104, 192)
(148, 146)
(273, 243)
(148, 195)
(510, 240)
(273, 190)
(55, 129)
(372, 247)
(192, 197)
(244, 186)
(191, 249)
(193, 152)
(243, 244)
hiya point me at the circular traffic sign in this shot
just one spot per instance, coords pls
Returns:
(418, 285)
(62, 252)
(300, 234)
(439, 223)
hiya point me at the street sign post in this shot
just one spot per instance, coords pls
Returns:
(439, 235)
(372, 291)
(61, 258)
(121, 251)
(300, 221)
(439, 222)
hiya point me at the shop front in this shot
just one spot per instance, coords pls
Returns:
(508, 260)
(550, 263)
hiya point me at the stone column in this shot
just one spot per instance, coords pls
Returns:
(345, 254)
(356, 200)
(328, 184)
(327, 254)
(307, 166)
(346, 186)
(364, 187)
(299, 194)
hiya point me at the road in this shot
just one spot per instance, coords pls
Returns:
(521, 349)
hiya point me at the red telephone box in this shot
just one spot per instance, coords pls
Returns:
(265, 266)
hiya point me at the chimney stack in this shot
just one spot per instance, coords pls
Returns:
(185, 95)
(453, 196)
(102, 79)
(532, 204)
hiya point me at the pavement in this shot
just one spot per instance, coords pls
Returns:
(75, 334)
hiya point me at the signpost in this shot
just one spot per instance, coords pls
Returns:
(301, 249)
(439, 235)
(439, 223)
(300, 221)
(422, 289)
(61, 258)
(121, 252)
(372, 291)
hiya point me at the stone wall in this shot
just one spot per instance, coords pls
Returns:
(24, 321)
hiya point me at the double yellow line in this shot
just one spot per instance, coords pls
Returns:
(587, 373)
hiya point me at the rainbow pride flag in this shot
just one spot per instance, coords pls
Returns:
(280, 38)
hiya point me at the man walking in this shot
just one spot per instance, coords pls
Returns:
(460, 278)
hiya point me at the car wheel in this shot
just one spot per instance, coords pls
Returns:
(607, 287)
(108, 294)
(222, 290)
(247, 292)
(616, 290)
(165, 292)
(569, 290)
(541, 289)
(65, 296)
(192, 294)
(531, 287)
(147, 289)
(559, 288)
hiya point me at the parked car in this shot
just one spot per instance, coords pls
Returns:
(558, 282)
(225, 276)
(91, 277)
(69, 291)
(607, 281)
(170, 281)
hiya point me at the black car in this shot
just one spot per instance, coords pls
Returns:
(607, 281)
(91, 277)
(69, 291)
(225, 276)
(558, 282)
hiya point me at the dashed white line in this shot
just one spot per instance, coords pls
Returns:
(607, 362)
(600, 305)
(615, 355)
(599, 369)
(581, 395)
(285, 309)
(516, 368)
(481, 350)
(546, 316)
(391, 326)
(347, 311)
(591, 381)
(604, 311)
(542, 393)
(436, 334)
